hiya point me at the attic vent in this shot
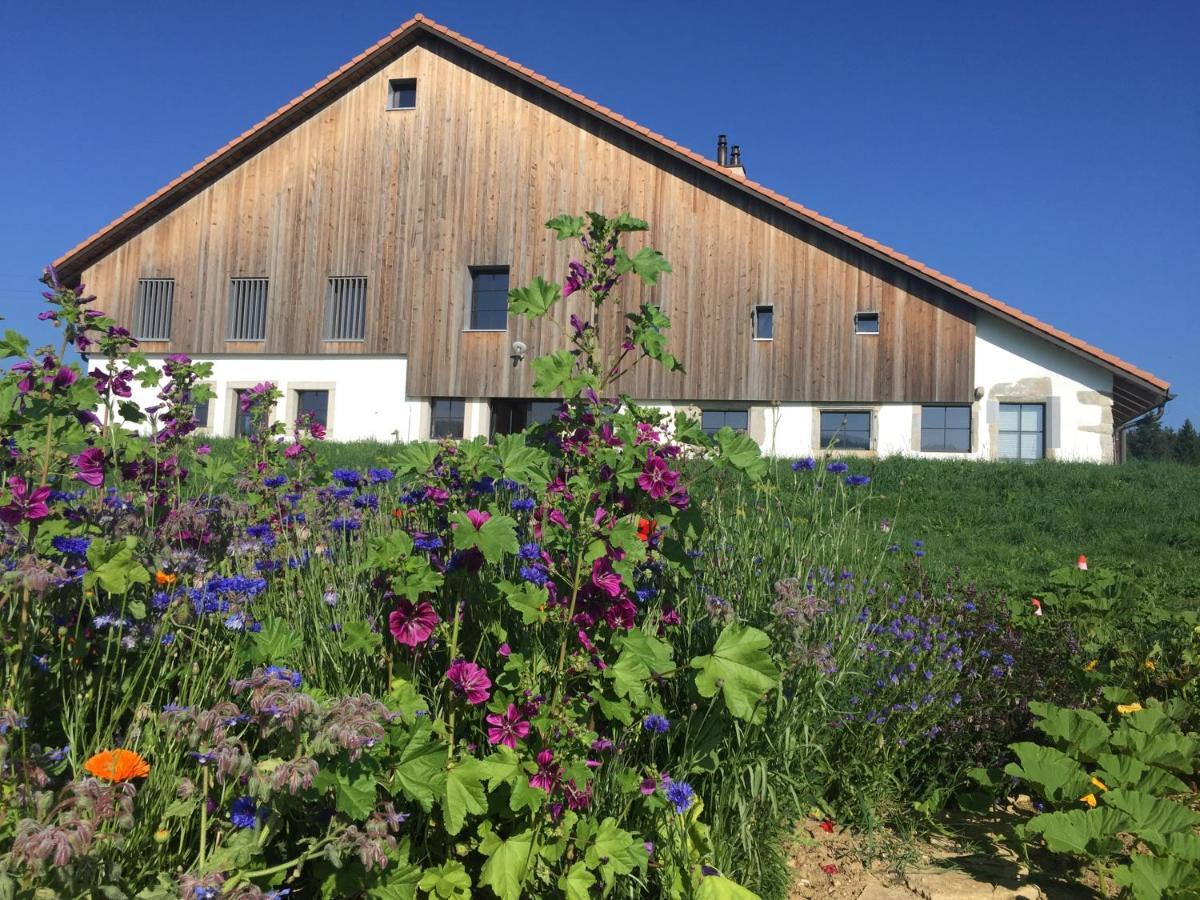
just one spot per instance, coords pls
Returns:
(402, 93)
(155, 300)
(346, 308)
(247, 309)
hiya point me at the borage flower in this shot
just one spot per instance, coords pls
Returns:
(471, 680)
(507, 727)
(412, 625)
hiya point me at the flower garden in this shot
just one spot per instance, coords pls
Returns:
(612, 656)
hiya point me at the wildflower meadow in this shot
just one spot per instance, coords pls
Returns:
(611, 656)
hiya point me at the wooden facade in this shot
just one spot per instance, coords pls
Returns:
(412, 198)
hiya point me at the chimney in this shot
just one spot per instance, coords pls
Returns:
(722, 151)
(735, 161)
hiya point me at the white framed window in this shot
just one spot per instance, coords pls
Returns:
(1022, 431)
(846, 429)
(945, 429)
(402, 93)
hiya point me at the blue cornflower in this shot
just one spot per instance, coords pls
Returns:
(70, 545)
(804, 465)
(345, 526)
(366, 501)
(380, 476)
(428, 542)
(530, 551)
(645, 593)
(348, 477)
(342, 493)
(918, 543)
(858, 480)
(535, 574)
(274, 481)
(681, 795)
(485, 485)
(656, 723)
(236, 622)
(837, 468)
(998, 671)
(509, 485)
(523, 504)
(1007, 659)
(244, 812)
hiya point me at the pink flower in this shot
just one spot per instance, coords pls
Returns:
(471, 680)
(604, 578)
(203, 450)
(478, 517)
(507, 727)
(1082, 562)
(412, 625)
(293, 450)
(657, 479)
(26, 503)
(648, 786)
(548, 773)
(559, 519)
(586, 641)
(504, 650)
(91, 467)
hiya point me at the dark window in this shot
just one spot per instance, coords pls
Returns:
(402, 93)
(764, 323)
(315, 402)
(152, 318)
(946, 429)
(713, 420)
(1022, 430)
(513, 416)
(201, 409)
(346, 309)
(489, 298)
(243, 422)
(247, 309)
(446, 418)
(846, 430)
(866, 323)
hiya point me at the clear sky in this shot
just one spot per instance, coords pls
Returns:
(1047, 153)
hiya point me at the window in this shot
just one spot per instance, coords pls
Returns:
(764, 323)
(846, 430)
(243, 422)
(446, 418)
(713, 420)
(346, 309)
(402, 93)
(513, 416)
(247, 309)
(489, 298)
(946, 429)
(866, 323)
(1022, 430)
(314, 402)
(201, 409)
(152, 315)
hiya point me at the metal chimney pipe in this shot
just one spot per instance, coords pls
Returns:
(735, 158)
(722, 151)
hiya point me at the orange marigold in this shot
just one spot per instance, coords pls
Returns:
(117, 765)
(164, 578)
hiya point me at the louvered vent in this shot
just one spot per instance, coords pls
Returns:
(152, 318)
(247, 309)
(346, 309)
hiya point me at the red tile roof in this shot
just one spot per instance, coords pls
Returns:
(85, 253)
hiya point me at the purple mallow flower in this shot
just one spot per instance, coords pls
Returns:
(470, 680)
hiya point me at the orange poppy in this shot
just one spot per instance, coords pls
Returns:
(164, 578)
(117, 765)
(646, 529)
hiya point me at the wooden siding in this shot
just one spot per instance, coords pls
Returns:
(412, 198)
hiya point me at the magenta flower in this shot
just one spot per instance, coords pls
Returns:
(26, 503)
(604, 578)
(412, 625)
(478, 517)
(558, 519)
(291, 451)
(657, 479)
(504, 650)
(507, 727)
(471, 680)
(547, 774)
(91, 467)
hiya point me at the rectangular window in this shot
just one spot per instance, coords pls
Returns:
(513, 416)
(247, 309)
(846, 430)
(314, 402)
(446, 418)
(946, 429)
(152, 315)
(243, 422)
(1022, 430)
(866, 323)
(764, 323)
(202, 414)
(402, 93)
(489, 298)
(713, 420)
(346, 308)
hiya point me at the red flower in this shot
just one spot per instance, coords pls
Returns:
(645, 529)
(827, 826)
(829, 869)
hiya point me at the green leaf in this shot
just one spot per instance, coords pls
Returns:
(1155, 877)
(647, 264)
(525, 796)
(507, 861)
(355, 798)
(718, 887)
(741, 452)
(1060, 778)
(642, 656)
(1126, 771)
(552, 371)
(523, 464)
(528, 599)
(502, 767)
(1152, 818)
(741, 669)
(566, 226)
(535, 300)
(494, 538)
(276, 642)
(387, 550)
(577, 882)
(464, 794)
(415, 458)
(612, 851)
(1078, 731)
(16, 344)
(1168, 749)
(626, 223)
(419, 766)
(357, 637)
(1088, 833)
(448, 881)
(111, 566)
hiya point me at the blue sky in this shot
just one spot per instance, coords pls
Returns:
(1048, 154)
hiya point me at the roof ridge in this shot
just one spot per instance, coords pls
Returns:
(422, 21)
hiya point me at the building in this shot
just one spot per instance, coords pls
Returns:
(356, 247)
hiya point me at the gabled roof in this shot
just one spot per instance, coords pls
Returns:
(1142, 390)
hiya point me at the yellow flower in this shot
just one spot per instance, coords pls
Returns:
(161, 835)
(1149, 664)
(1089, 799)
(1091, 667)
(1127, 708)
(1100, 784)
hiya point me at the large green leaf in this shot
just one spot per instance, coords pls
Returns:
(275, 642)
(354, 797)
(494, 538)
(415, 458)
(1087, 833)
(647, 264)
(524, 464)
(718, 887)
(1060, 778)
(553, 372)
(507, 861)
(1156, 877)
(528, 599)
(111, 566)
(577, 882)
(464, 794)
(1080, 732)
(742, 452)
(566, 226)
(1166, 749)
(535, 300)
(449, 881)
(1128, 771)
(740, 667)
(419, 765)
(613, 851)
(642, 655)
(1152, 818)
